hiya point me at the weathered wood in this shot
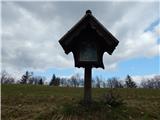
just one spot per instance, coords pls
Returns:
(87, 85)
(88, 40)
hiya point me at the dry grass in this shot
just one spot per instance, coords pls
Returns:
(29, 102)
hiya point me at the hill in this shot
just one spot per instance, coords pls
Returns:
(35, 102)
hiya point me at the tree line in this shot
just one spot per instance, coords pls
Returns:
(77, 81)
(27, 78)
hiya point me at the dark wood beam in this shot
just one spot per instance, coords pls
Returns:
(87, 85)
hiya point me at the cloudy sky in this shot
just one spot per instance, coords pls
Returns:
(31, 30)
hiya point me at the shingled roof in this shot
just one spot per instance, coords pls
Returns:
(89, 20)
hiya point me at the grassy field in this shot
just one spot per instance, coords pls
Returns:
(33, 102)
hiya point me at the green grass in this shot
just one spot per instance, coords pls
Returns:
(33, 102)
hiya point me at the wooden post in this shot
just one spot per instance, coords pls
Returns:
(87, 85)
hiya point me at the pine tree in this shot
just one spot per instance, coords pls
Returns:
(55, 81)
(41, 82)
(129, 82)
(25, 78)
(52, 80)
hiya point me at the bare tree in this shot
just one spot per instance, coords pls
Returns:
(93, 83)
(6, 78)
(37, 80)
(157, 81)
(4, 75)
(62, 81)
(104, 84)
(143, 83)
(98, 82)
(75, 80)
(151, 82)
(114, 83)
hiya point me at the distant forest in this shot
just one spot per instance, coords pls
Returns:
(77, 81)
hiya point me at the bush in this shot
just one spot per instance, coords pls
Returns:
(112, 98)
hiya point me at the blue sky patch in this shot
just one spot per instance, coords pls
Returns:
(134, 67)
(152, 25)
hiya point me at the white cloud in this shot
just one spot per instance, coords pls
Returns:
(129, 29)
(31, 30)
(139, 79)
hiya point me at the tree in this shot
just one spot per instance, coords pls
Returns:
(104, 84)
(93, 83)
(41, 82)
(151, 82)
(157, 81)
(144, 83)
(52, 80)
(6, 78)
(25, 78)
(55, 81)
(98, 82)
(37, 80)
(114, 83)
(75, 80)
(4, 75)
(31, 79)
(63, 82)
(129, 83)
